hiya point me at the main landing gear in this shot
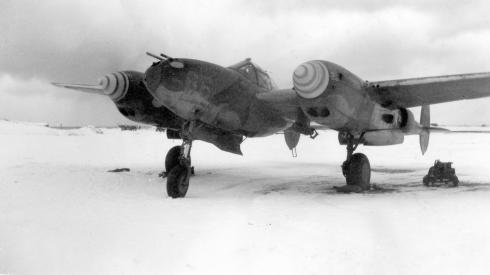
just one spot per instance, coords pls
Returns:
(178, 169)
(356, 168)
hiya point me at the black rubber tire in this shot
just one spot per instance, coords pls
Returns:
(455, 181)
(358, 171)
(432, 181)
(426, 181)
(178, 181)
(172, 158)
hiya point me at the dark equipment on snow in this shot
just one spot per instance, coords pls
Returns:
(441, 172)
(129, 127)
(117, 170)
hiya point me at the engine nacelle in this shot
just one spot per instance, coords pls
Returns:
(393, 125)
(383, 137)
(386, 127)
(388, 119)
(328, 93)
(133, 100)
(375, 138)
(408, 123)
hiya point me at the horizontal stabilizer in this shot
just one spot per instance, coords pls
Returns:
(438, 130)
(447, 131)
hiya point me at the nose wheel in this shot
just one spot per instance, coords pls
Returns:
(356, 169)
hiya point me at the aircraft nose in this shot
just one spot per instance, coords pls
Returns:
(310, 79)
(153, 76)
(114, 85)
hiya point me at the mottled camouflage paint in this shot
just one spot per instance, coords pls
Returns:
(223, 99)
(138, 105)
(350, 107)
(226, 104)
(217, 96)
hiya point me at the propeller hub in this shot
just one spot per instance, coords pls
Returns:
(311, 79)
(115, 85)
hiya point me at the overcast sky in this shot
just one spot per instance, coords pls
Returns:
(79, 41)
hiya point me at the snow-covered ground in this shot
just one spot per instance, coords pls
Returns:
(61, 212)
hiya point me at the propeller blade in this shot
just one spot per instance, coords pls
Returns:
(424, 140)
(114, 85)
(93, 89)
(425, 116)
(425, 123)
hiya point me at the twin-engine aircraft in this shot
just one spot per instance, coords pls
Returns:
(197, 100)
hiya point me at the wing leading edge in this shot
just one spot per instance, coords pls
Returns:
(429, 90)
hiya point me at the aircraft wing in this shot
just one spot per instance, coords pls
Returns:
(429, 90)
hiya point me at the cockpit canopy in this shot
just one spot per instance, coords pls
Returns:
(254, 73)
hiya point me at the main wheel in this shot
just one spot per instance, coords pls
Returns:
(358, 171)
(431, 181)
(178, 181)
(172, 158)
(455, 181)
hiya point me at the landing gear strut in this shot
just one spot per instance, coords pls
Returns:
(172, 159)
(356, 168)
(178, 163)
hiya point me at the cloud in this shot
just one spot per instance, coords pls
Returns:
(67, 40)
(79, 41)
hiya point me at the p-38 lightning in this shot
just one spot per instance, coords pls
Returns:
(197, 100)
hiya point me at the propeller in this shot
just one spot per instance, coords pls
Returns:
(114, 85)
(425, 131)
